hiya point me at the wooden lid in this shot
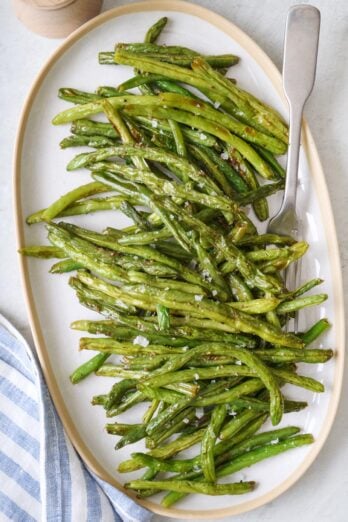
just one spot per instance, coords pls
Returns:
(55, 18)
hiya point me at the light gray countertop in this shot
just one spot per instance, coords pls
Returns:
(322, 494)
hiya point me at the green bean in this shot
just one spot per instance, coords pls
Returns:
(248, 105)
(84, 127)
(76, 96)
(252, 274)
(171, 249)
(85, 207)
(133, 214)
(114, 117)
(169, 413)
(208, 442)
(168, 56)
(67, 265)
(80, 250)
(243, 355)
(268, 156)
(266, 239)
(315, 331)
(114, 370)
(160, 187)
(299, 380)
(98, 300)
(70, 197)
(120, 429)
(151, 411)
(263, 406)
(306, 287)
(129, 401)
(135, 434)
(204, 109)
(167, 396)
(142, 251)
(263, 452)
(161, 127)
(178, 138)
(177, 425)
(209, 268)
(252, 457)
(300, 302)
(259, 193)
(155, 30)
(239, 289)
(43, 252)
(107, 92)
(176, 336)
(149, 47)
(88, 367)
(165, 452)
(208, 164)
(209, 126)
(98, 400)
(96, 142)
(260, 205)
(138, 80)
(204, 82)
(257, 306)
(237, 446)
(237, 488)
(119, 391)
(123, 348)
(144, 363)
(163, 317)
(171, 160)
(165, 85)
(145, 237)
(138, 295)
(287, 355)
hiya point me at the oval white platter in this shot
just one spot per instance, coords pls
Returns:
(40, 178)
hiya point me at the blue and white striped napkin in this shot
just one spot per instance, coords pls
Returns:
(41, 476)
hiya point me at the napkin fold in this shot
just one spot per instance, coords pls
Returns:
(41, 476)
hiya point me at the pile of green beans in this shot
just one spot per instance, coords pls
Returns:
(193, 310)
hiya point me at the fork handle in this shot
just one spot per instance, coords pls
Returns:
(299, 65)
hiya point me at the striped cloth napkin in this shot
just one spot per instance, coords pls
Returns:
(41, 476)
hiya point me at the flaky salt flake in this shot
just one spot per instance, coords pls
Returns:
(196, 376)
(199, 412)
(202, 136)
(186, 421)
(141, 340)
(238, 363)
(224, 155)
(214, 292)
(217, 104)
(275, 441)
(198, 297)
(154, 123)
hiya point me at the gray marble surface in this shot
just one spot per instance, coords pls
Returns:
(321, 495)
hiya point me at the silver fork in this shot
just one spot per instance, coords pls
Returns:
(299, 65)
